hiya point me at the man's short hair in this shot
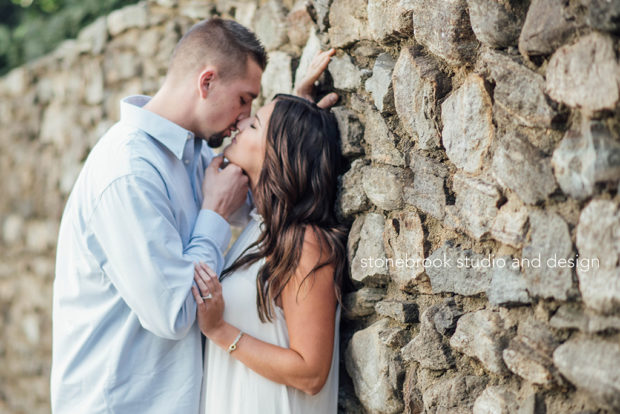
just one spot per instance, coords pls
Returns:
(223, 43)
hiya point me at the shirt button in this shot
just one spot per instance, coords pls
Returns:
(186, 162)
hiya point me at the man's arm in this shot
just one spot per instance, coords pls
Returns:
(134, 228)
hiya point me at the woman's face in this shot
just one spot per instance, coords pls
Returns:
(247, 149)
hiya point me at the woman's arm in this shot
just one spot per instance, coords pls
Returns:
(309, 317)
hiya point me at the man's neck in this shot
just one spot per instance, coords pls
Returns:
(171, 106)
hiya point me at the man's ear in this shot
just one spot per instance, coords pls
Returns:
(205, 81)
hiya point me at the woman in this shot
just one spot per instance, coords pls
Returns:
(273, 347)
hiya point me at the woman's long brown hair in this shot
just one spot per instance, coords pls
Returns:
(297, 188)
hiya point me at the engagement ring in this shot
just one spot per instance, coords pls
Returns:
(209, 296)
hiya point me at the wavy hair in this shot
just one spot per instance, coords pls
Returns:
(297, 188)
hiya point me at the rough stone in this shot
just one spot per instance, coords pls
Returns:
(120, 66)
(598, 243)
(519, 91)
(481, 335)
(352, 198)
(321, 8)
(427, 191)
(453, 395)
(400, 311)
(508, 286)
(348, 22)
(511, 223)
(572, 317)
(380, 83)
(454, 270)
(444, 29)
(585, 158)
(368, 363)
(476, 204)
(381, 140)
(428, 348)
(418, 86)
(299, 24)
(529, 354)
(394, 337)
(468, 124)
(384, 186)
(403, 238)
(270, 25)
(369, 263)
(497, 24)
(196, 9)
(345, 74)
(128, 17)
(278, 77)
(592, 365)
(312, 47)
(445, 316)
(521, 167)
(496, 400)
(547, 26)
(94, 36)
(351, 131)
(13, 229)
(41, 235)
(542, 257)
(362, 302)
(388, 18)
(585, 74)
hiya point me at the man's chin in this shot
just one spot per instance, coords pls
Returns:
(216, 140)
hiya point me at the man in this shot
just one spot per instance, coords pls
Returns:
(124, 337)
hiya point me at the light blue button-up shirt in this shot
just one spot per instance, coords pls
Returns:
(124, 337)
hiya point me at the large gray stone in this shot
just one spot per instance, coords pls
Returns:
(299, 24)
(404, 244)
(388, 18)
(345, 74)
(529, 354)
(585, 74)
(418, 86)
(545, 257)
(592, 365)
(427, 191)
(270, 25)
(278, 76)
(454, 270)
(476, 205)
(468, 124)
(128, 17)
(445, 316)
(603, 14)
(521, 167)
(547, 26)
(572, 317)
(481, 335)
(453, 395)
(586, 157)
(443, 27)
(519, 91)
(368, 363)
(351, 131)
(348, 22)
(400, 311)
(510, 224)
(352, 198)
(428, 348)
(598, 243)
(94, 36)
(508, 286)
(321, 7)
(381, 140)
(380, 83)
(369, 263)
(496, 400)
(384, 185)
(497, 23)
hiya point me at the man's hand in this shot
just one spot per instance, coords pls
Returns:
(305, 87)
(224, 191)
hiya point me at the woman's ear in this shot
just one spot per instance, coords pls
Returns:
(205, 81)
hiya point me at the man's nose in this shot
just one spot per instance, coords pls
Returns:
(242, 123)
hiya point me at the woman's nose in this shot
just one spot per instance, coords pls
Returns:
(243, 124)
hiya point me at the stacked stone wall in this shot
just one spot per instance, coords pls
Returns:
(484, 146)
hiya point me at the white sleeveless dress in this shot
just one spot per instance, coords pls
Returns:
(229, 387)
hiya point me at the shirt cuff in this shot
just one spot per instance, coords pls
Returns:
(213, 226)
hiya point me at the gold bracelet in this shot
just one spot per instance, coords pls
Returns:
(233, 346)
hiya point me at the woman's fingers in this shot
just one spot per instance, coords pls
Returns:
(328, 101)
(197, 296)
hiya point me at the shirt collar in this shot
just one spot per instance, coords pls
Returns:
(171, 135)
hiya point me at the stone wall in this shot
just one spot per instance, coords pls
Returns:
(484, 140)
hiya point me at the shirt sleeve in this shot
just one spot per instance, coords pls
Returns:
(133, 228)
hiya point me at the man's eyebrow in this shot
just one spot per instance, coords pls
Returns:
(259, 122)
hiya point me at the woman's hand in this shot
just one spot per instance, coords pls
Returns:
(209, 299)
(305, 87)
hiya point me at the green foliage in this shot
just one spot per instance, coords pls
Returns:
(31, 28)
